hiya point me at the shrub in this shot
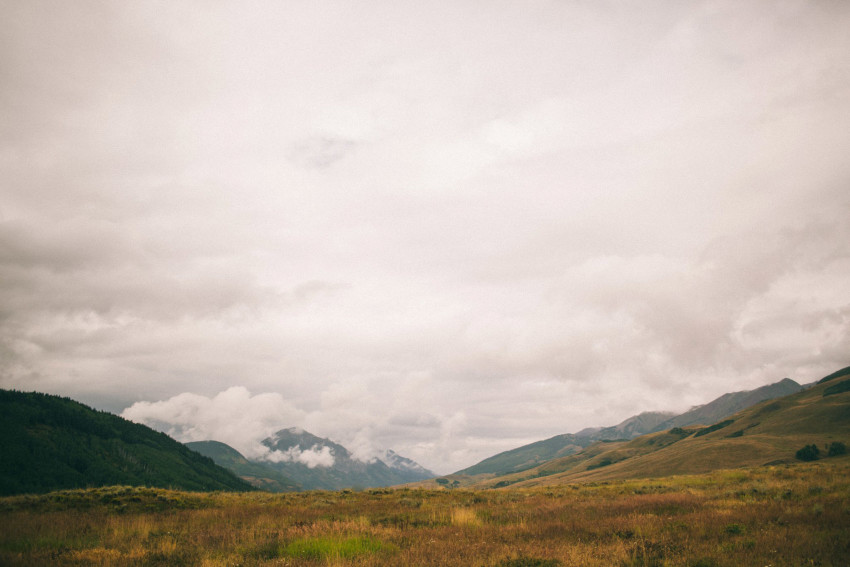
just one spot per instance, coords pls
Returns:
(715, 427)
(808, 453)
(836, 448)
(604, 462)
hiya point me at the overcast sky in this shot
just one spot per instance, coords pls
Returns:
(447, 228)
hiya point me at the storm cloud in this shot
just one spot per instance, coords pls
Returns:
(445, 228)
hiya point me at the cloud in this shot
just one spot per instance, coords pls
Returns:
(313, 457)
(320, 152)
(233, 416)
(437, 229)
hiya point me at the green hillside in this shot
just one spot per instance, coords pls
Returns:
(527, 456)
(768, 433)
(836, 374)
(260, 475)
(727, 404)
(535, 454)
(49, 443)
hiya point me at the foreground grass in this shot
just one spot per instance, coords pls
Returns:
(783, 515)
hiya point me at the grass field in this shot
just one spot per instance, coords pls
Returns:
(782, 515)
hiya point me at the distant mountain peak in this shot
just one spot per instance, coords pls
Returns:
(730, 403)
(319, 463)
(396, 461)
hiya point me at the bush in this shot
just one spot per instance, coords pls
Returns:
(836, 448)
(715, 427)
(808, 453)
(604, 462)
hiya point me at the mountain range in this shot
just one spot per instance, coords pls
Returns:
(299, 460)
(48, 442)
(774, 423)
(534, 454)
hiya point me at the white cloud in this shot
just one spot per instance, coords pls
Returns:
(313, 457)
(439, 229)
(233, 416)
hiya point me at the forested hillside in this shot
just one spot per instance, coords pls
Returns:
(49, 443)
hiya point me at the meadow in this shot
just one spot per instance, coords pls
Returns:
(792, 514)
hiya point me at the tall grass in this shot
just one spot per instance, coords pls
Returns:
(784, 515)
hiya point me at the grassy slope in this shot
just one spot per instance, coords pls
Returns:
(770, 432)
(48, 443)
(786, 515)
(527, 456)
(731, 403)
(836, 374)
(533, 455)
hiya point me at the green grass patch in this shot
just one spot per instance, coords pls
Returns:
(335, 547)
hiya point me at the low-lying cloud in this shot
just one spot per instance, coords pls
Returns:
(234, 417)
(313, 457)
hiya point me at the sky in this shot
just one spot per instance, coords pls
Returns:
(444, 228)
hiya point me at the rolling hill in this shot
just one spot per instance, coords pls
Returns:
(770, 432)
(535, 454)
(49, 443)
(727, 404)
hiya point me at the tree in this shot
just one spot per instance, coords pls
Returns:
(836, 448)
(808, 453)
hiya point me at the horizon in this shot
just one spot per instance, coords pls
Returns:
(440, 229)
(312, 457)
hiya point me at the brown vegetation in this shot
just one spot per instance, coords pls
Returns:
(781, 515)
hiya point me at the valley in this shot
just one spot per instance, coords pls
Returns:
(782, 515)
(766, 484)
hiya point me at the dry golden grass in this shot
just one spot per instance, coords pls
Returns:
(782, 515)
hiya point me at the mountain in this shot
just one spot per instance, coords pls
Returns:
(257, 473)
(534, 454)
(404, 465)
(770, 432)
(728, 404)
(837, 374)
(50, 443)
(317, 463)
(627, 429)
